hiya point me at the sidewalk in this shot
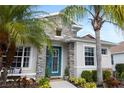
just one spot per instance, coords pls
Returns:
(58, 83)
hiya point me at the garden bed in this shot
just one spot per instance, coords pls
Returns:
(14, 84)
(81, 83)
(26, 83)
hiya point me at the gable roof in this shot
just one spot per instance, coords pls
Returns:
(118, 48)
(91, 39)
(88, 37)
(75, 25)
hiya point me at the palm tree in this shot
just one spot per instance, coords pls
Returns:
(99, 15)
(19, 25)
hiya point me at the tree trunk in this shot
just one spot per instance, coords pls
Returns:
(1, 59)
(98, 59)
(4, 75)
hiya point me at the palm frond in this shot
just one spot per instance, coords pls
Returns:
(72, 13)
(115, 14)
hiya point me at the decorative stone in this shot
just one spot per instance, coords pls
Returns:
(71, 58)
(41, 63)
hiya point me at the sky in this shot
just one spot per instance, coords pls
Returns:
(108, 31)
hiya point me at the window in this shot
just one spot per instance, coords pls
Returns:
(26, 56)
(104, 51)
(58, 31)
(112, 60)
(89, 56)
(21, 58)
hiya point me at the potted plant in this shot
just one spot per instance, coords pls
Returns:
(66, 73)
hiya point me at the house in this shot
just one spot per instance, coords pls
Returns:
(76, 53)
(117, 54)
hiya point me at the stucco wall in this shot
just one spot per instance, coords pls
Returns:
(117, 59)
(80, 58)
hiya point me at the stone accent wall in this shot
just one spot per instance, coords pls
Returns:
(41, 63)
(66, 29)
(71, 58)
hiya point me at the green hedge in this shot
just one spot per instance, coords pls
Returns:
(87, 75)
(106, 74)
(43, 83)
(92, 75)
(119, 68)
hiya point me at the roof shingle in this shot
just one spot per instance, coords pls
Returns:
(118, 48)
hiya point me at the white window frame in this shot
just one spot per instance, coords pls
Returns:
(89, 56)
(22, 57)
(106, 51)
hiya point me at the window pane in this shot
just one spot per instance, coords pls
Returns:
(89, 56)
(13, 65)
(27, 51)
(104, 51)
(26, 62)
(58, 32)
(54, 65)
(18, 64)
(19, 53)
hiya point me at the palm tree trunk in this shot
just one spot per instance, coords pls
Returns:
(1, 59)
(98, 59)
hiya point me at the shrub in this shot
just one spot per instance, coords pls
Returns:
(81, 82)
(87, 75)
(106, 74)
(90, 85)
(94, 75)
(47, 74)
(119, 68)
(44, 83)
(76, 81)
(117, 75)
(66, 73)
(71, 79)
(122, 76)
(112, 82)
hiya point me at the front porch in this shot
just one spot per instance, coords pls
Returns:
(55, 63)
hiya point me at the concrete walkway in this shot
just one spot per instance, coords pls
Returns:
(58, 83)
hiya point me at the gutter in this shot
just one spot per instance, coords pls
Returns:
(91, 41)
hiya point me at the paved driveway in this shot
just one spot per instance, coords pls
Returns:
(61, 84)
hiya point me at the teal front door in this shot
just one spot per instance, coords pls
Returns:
(54, 61)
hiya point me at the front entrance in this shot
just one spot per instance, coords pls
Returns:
(54, 61)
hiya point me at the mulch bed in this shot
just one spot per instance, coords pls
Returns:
(14, 84)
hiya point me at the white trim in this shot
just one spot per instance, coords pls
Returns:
(62, 63)
(122, 52)
(56, 77)
(23, 74)
(22, 62)
(85, 67)
(91, 41)
(94, 48)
